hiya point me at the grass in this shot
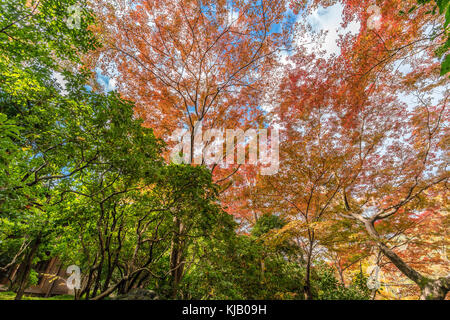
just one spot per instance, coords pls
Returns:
(11, 295)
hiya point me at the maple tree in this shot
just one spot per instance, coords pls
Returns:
(361, 195)
(364, 153)
(185, 62)
(413, 164)
(188, 61)
(422, 243)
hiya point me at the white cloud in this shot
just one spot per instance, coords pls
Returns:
(59, 78)
(323, 21)
(112, 84)
(327, 21)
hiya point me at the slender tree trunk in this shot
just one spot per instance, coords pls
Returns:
(307, 288)
(87, 288)
(176, 258)
(263, 268)
(98, 277)
(340, 271)
(24, 276)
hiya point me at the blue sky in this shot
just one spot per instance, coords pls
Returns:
(323, 19)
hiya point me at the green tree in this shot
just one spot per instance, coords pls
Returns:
(441, 7)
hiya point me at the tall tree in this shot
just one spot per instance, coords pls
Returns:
(188, 61)
(393, 151)
(35, 38)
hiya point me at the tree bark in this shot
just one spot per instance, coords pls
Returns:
(430, 289)
(307, 287)
(24, 276)
(176, 257)
(435, 290)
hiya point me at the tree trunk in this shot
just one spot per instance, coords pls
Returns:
(24, 276)
(263, 268)
(176, 258)
(341, 272)
(307, 287)
(430, 289)
(435, 290)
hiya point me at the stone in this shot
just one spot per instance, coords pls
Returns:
(138, 294)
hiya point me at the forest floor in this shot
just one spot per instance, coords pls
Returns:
(11, 295)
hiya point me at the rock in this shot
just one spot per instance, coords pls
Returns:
(138, 294)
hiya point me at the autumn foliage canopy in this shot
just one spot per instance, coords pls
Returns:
(358, 208)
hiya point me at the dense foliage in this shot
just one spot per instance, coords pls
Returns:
(85, 177)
